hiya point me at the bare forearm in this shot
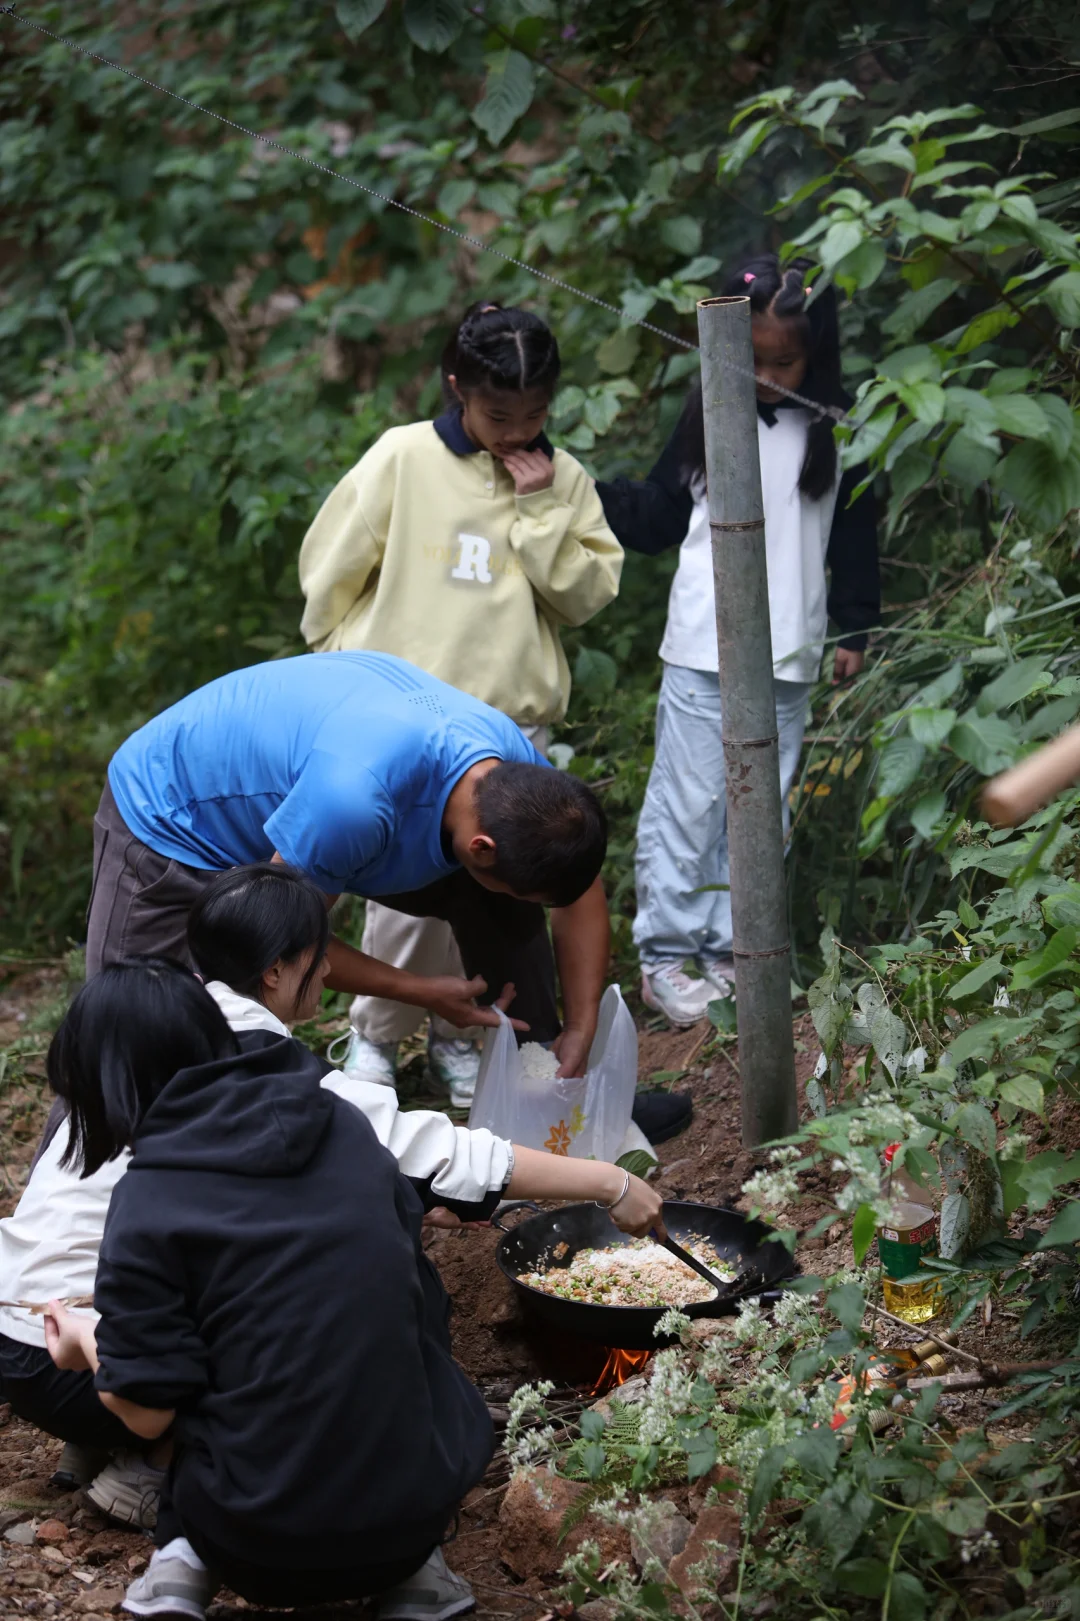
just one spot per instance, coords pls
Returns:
(582, 938)
(538, 1175)
(146, 1422)
(356, 972)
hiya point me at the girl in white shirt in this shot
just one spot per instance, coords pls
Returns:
(682, 854)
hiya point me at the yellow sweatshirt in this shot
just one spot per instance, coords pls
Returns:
(426, 551)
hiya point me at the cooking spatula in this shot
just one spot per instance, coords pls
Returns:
(719, 1284)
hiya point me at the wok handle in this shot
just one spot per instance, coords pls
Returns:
(507, 1207)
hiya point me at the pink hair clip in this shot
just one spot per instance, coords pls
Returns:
(748, 276)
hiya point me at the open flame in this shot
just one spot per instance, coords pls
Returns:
(619, 1367)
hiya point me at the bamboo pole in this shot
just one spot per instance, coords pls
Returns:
(762, 947)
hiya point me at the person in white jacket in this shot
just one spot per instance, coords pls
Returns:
(822, 561)
(258, 935)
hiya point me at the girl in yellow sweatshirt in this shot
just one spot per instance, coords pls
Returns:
(461, 545)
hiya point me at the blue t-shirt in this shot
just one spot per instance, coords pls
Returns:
(342, 762)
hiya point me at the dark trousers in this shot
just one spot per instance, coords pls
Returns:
(60, 1402)
(261, 1583)
(140, 901)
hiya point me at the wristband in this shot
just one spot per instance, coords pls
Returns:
(622, 1195)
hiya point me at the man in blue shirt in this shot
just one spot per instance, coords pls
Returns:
(374, 779)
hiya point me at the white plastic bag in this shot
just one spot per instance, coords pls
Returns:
(585, 1117)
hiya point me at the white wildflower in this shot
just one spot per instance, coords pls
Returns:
(772, 1189)
(751, 1326)
(796, 1313)
(528, 1441)
(669, 1394)
(973, 1547)
(715, 1361)
(864, 1185)
(674, 1324)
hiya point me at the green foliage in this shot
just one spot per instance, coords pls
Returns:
(138, 227)
(156, 549)
(971, 265)
(919, 1514)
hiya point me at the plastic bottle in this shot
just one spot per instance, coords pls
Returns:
(910, 1233)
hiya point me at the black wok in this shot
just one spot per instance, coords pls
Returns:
(761, 1264)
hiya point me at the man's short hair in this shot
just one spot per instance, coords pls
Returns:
(549, 829)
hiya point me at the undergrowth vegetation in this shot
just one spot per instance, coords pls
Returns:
(197, 336)
(826, 1513)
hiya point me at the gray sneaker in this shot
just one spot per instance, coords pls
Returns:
(170, 1587)
(455, 1065)
(127, 1489)
(433, 1594)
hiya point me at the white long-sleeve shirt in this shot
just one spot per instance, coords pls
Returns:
(49, 1246)
(461, 1164)
(797, 533)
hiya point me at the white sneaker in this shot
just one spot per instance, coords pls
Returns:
(433, 1594)
(367, 1060)
(454, 1064)
(669, 990)
(721, 974)
(127, 1489)
(171, 1586)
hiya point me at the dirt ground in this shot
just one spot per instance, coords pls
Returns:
(80, 1564)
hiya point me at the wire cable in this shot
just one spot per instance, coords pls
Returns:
(393, 202)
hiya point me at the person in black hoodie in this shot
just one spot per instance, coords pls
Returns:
(263, 1299)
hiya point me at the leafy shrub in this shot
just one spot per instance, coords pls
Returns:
(155, 549)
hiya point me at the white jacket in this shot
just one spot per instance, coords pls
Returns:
(462, 1164)
(49, 1247)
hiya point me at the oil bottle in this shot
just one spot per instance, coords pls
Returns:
(910, 1233)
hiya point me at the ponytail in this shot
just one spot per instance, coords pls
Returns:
(508, 349)
(782, 292)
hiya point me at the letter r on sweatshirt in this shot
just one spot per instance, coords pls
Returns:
(474, 559)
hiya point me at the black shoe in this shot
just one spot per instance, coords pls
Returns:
(661, 1115)
(77, 1467)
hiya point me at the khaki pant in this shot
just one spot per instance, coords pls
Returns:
(419, 945)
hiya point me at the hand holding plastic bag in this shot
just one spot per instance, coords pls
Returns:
(585, 1117)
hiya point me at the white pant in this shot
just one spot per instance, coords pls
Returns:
(682, 843)
(418, 945)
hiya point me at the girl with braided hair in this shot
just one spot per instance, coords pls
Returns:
(464, 545)
(813, 528)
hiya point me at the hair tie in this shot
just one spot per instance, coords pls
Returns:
(749, 276)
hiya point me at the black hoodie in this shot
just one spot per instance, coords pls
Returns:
(261, 1272)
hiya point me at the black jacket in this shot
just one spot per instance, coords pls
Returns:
(261, 1272)
(652, 515)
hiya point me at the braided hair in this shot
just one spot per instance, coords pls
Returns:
(508, 349)
(782, 292)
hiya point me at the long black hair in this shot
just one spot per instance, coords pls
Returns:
(127, 1033)
(508, 349)
(249, 918)
(783, 292)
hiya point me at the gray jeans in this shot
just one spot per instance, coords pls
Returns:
(140, 901)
